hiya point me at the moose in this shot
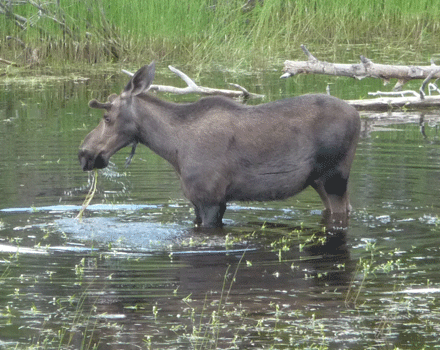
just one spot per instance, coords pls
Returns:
(226, 151)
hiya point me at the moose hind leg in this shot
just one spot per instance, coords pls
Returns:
(198, 219)
(332, 188)
(209, 215)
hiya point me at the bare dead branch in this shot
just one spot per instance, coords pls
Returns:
(426, 81)
(400, 100)
(308, 54)
(394, 93)
(44, 12)
(433, 87)
(19, 21)
(389, 103)
(193, 88)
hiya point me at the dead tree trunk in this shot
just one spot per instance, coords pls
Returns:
(366, 68)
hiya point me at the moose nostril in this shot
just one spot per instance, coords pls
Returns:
(90, 160)
(83, 163)
(82, 154)
(84, 159)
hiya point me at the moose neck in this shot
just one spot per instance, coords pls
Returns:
(157, 126)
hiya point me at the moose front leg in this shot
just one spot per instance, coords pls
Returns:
(333, 192)
(209, 215)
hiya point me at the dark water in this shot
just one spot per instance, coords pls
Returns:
(136, 274)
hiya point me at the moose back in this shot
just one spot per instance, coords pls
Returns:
(225, 151)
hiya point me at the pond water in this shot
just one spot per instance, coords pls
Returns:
(135, 274)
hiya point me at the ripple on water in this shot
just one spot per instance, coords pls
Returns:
(139, 235)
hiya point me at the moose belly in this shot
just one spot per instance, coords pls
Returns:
(268, 184)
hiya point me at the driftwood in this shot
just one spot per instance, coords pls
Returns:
(389, 103)
(366, 68)
(387, 100)
(193, 88)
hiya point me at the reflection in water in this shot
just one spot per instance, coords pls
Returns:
(158, 296)
(380, 122)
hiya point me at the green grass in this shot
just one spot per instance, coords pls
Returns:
(203, 31)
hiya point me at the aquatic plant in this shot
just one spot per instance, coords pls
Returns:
(89, 195)
(205, 335)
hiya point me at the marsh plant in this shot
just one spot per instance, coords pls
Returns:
(195, 31)
(206, 326)
(367, 268)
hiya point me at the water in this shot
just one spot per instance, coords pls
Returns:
(134, 273)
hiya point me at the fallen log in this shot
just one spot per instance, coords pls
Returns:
(193, 88)
(367, 68)
(389, 103)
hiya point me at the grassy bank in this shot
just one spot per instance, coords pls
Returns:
(203, 31)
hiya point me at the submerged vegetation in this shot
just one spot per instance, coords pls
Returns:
(254, 32)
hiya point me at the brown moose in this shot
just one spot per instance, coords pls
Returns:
(225, 151)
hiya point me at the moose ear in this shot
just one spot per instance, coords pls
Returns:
(100, 105)
(141, 80)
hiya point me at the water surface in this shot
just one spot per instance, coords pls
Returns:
(134, 273)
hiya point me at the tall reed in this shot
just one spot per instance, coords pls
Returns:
(206, 30)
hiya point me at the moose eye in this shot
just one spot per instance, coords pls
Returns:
(106, 118)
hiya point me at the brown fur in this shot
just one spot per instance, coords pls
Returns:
(225, 151)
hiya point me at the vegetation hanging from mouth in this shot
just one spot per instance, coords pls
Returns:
(89, 195)
(131, 155)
